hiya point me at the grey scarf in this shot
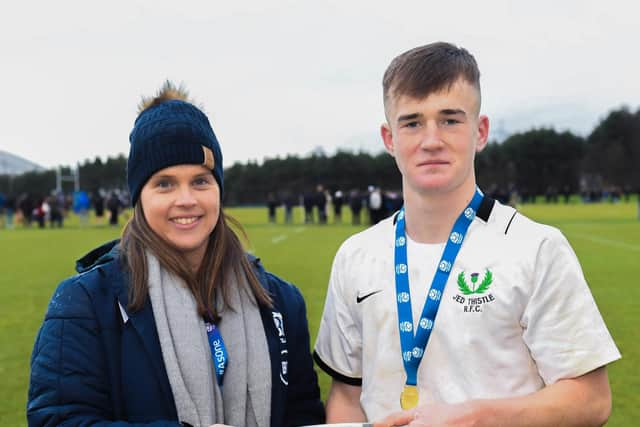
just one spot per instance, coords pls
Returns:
(246, 400)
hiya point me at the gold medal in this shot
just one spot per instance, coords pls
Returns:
(409, 397)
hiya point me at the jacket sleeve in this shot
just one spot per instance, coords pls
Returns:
(69, 384)
(304, 406)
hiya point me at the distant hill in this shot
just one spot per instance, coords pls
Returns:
(10, 164)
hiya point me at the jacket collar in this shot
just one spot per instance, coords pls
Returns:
(98, 256)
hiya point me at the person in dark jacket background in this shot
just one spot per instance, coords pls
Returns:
(174, 325)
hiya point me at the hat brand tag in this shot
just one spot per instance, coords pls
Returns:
(209, 161)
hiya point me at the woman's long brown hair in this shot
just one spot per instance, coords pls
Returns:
(223, 258)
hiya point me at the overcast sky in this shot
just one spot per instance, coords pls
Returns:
(278, 77)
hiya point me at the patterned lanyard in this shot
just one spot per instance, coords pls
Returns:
(218, 351)
(413, 347)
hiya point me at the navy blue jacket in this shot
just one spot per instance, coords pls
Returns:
(88, 367)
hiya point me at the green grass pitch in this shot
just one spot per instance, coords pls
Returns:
(606, 238)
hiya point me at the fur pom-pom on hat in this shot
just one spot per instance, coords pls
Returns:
(169, 91)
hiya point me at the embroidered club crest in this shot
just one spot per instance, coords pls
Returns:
(474, 288)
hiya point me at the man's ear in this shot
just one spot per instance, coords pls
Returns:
(387, 138)
(483, 133)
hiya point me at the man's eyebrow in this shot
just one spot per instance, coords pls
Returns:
(452, 111)
(406, 117)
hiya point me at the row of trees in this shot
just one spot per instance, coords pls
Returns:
(532, 161)
(543, 158)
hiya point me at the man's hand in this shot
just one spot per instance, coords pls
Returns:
(467, 414)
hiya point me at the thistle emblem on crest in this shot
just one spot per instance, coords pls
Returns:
(475, 288)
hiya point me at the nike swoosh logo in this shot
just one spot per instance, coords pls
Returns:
(359, 298)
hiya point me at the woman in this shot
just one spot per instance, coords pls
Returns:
(174, 325)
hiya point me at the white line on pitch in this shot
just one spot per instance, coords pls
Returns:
(279, 239)
(607, 242)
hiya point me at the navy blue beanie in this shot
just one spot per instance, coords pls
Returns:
(168, 134)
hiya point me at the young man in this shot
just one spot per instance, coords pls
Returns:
(518, 339)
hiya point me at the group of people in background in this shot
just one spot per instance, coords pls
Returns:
(316, 204)
(514, 196)
(28, 209)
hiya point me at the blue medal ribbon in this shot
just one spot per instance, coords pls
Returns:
(218, 351)
(413, 346)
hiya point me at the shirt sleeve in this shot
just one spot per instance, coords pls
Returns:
(563, 328)
(338, 349)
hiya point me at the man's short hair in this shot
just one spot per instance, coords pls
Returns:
(428, 69)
